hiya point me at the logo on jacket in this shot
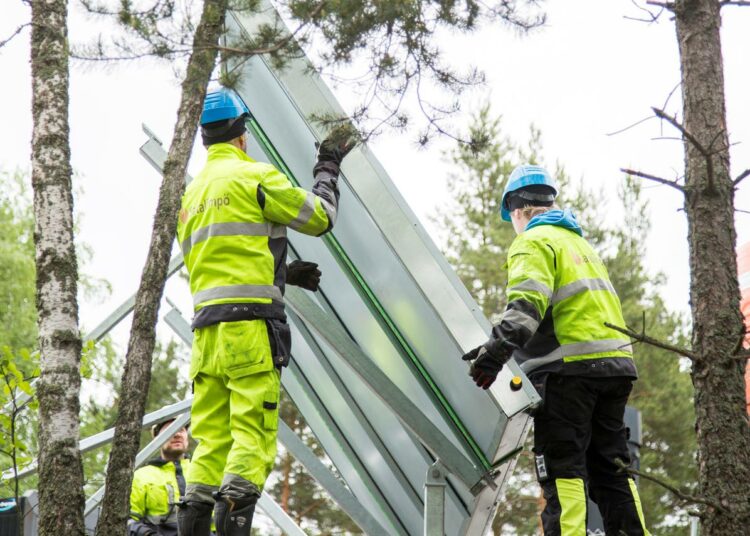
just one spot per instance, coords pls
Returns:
(206, 204)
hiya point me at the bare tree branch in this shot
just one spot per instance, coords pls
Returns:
(663, 5)
(642, 337)
(629, 126)
(652, 17)
(734, 3)
(742, 211)
(666, 101)
(673, 121)
(686, 497)
(14, 34)
(673, 184)
(705, 152)
(741, 176)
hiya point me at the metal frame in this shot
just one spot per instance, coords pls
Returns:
(434, 500)
(340, 385)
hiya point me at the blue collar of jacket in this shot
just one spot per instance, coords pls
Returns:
(227, 150)
(560, 218)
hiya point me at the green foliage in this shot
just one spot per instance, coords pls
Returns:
(297, 492)
(17, 270)
(17, 434)
(476, 243)
(19, 363)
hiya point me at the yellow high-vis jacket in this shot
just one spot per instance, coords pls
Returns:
(560, 299)
(232, 231)
(154, 495)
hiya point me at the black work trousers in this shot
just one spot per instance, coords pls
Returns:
(578, 435)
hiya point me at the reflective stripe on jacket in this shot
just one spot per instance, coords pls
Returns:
(232, 231)
(155, 491)
(559, 298)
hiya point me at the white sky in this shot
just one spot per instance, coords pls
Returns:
(588, 72)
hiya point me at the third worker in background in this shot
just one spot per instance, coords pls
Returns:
(232, 230)
(560, 299)
(158, 486)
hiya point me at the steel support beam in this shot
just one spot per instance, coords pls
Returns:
(106, 436)
(279, 516)
(338, 492)
(407, 412)
(434, 500)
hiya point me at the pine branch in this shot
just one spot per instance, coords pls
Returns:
(642, 337)
(741, 177)
(279, 45)
(685, 497)
(673, 184)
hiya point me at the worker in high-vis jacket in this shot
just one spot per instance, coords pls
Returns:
(158, 486)
(559, 302)
(232, 230)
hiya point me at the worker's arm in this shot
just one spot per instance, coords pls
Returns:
(312, 213)
(531, 281)
(531, 276)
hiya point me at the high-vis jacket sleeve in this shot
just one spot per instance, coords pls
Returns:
(138, 499)
(531, 280)
(311, 213)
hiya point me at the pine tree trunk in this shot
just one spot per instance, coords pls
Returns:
(61, 497)
(137, 374)
(721, 424)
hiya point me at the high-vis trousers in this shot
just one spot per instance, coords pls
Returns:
(234, 416)
(578, 435)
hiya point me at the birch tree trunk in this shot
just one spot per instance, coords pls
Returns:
(61, 497)
(137, 374)
(721, 423)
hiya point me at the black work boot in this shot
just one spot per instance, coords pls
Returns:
(194, 518)
(234, 515)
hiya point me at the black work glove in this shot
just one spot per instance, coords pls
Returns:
(303, 274)
(332, 150)
(488, 359)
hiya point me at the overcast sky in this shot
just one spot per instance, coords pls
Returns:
(589, 72)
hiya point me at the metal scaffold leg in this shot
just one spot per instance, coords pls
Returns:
(434, 500)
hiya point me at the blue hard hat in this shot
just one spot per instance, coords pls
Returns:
(522, 177)
(222, 104)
